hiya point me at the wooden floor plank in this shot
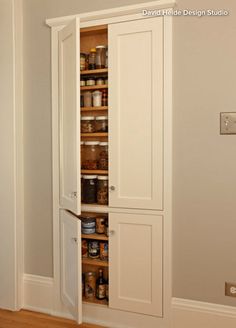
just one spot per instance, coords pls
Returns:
(28, 319)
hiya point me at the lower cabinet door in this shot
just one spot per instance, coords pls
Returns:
(135, 277)
(71, 274)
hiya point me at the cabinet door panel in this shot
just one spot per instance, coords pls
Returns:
(70, 248)
(69, 117)
(135, 113)
(136, 263)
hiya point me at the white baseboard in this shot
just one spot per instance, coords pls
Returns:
(38, 297)
(195, 314)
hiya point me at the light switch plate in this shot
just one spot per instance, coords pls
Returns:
(228, 123)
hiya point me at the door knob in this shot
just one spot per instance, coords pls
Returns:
(74, 239)
(73, 194)
(110, 232)
(112, 188)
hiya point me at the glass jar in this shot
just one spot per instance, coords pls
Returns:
(97, 98)
(100, 56)
(90, 285)
(103, 156)
(89, 189)
(102, 190)
(82, 82)
(82, 61)
(100, 81)
(92, 59)
(101, 124)
(90, 158)
(87, 124)
(87, 99)
(90, 81)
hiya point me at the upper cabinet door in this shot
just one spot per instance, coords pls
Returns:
(136, 114)
(69, 116)
(71, 273)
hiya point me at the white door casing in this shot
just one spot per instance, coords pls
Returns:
(69, 116)
(135, 271)
(71, 271)
(136, 114)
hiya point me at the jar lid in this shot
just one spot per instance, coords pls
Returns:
(97, 92)
(93, 50)
(103, 143)
(101, 47)
(99, 118)
(87, 118)
(91, 143)
(102, 177)
(90, 177)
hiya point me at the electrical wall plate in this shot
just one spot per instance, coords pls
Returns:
(228, 123)
(230, 289)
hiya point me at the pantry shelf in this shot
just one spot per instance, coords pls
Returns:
(103, 172)
(95, 236)
(94, 71)
(94, 208)
(95, 262)
(98, 134)
(94, 87)
(95, 301)
(98, 108)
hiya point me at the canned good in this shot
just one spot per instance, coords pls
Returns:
(84, 248)
(94, 249)
(104, 251)
(88, 225)
(90, 284)
(100, 224)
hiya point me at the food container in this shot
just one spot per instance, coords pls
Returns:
(84, 248)
(94, 249)
(92, 59)
(82, 82)
(104, 251)
(100, 81)
(87, 98)
(90, 81)
(89, 189)
(100, 56)
(97, 98)
(102, 190)
(100, 224)
(88, 225)
(90, 158)
(104, 98)
(101, 124)
(87, 124)
(103, 156)
(82, 61)
(90, 285)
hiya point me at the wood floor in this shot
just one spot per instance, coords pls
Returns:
(27, 319)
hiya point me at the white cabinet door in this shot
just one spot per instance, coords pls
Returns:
(69, 116)
(136, 113)
(135, 275)
(71, 274)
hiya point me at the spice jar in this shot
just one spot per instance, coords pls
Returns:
(90, 158)
(90, 81)
(87, 99)
(100, 81)
(82, 61)
(97, 98)
(87, 124)
(92, 59)
(82, 82)
(101, 124)
(90, 285)
(89, 189)
(103, 156)
(102, 190)
(100, 56)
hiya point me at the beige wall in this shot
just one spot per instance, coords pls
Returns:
(204, 203)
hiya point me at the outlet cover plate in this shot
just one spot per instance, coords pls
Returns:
(228, 123)
(230, 289)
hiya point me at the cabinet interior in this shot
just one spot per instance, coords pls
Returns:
(90, 38)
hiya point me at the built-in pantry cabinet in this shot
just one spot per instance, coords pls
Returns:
(138, 209)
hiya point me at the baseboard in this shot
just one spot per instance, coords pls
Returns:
(195, 314)
(38, 297)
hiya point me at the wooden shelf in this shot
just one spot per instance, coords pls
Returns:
(89, 109)
(95, 134)
(95, 236)
(94, 87)
(94, 71)
(95, 301)
(95, 262)
(103, 172)
(94, 208)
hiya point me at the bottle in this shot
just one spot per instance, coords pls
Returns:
(101, 286)
(92, 58)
